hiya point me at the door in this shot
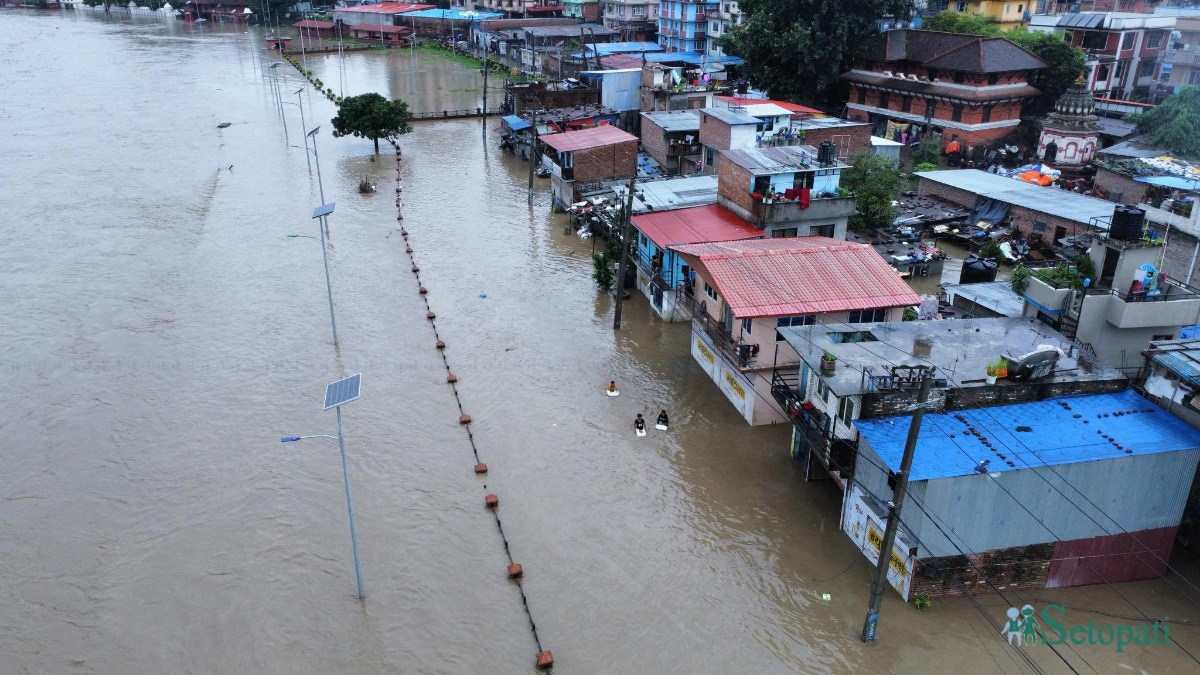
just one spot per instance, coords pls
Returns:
(1109, 271)
(727, 318)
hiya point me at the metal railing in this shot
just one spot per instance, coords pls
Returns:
(744, 355)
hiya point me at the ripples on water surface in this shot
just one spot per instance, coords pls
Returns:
(162, 332)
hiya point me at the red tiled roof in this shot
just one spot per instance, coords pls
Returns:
(588, 138)
(801, 275)
(793, 107)
(309, 23)
(695, 225)
(375, 28)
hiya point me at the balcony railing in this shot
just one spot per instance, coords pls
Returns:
(1181, 57)
(743, 355)
(681, 149)
(764, 212)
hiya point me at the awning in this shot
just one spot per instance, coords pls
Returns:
(989, 210)
(515, 122)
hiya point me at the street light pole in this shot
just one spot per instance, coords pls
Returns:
(323, 212)
(279, 100)
(350, 506)
(304, 125)
(320, 185)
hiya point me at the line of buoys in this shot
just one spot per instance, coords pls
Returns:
(544, 659)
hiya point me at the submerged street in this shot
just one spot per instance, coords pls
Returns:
(163, 332)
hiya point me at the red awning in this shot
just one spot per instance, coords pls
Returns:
(696, 225)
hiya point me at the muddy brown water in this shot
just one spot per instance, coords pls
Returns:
(161, 332)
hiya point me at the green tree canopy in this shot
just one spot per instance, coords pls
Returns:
(371, 116)
(1175, 123)
(795, 49)
(962, 22)
(874, 180)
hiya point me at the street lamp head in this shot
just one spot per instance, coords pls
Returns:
(299, 90)
(314, 131)
(274, 65)
(289, 439)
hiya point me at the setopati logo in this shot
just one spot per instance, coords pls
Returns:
(1024, 628)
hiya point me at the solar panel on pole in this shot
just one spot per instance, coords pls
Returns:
(343, 391)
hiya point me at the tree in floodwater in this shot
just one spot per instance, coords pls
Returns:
(602, 270)
(371, 116)
(874, 180)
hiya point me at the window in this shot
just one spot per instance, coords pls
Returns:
(1146, 69)
(962, 6)
(701, 45)
(1194, 77)
(960, 77)
(1102, 72)
(638, 10)
(822, 390)
(1168, 336)
(846, 410)
(1095, 40)
(790, 321)
(883, 99)
(867, 316)
(821, 230)
(930, 108)
(709, 154)
(1127, 41)
(862, 96)
(956, 115)
(716, 28)
(993, 78)
(906, 103)
(1154, 40)
(987, 113)
(784, 232)
(710, 291)
(1122, 68)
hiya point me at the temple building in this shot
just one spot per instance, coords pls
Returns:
(1070, 133)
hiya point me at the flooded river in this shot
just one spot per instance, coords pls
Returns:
(162, 332)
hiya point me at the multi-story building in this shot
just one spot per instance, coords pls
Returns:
(720, 21)
(633, 20)
(683, 25)
(1066, 6)
(1006, 14)
(743, 292)
(966, 86)
(523, 9)
(1121, 49)
(1180, 65)
(587, 156)
(584, 10)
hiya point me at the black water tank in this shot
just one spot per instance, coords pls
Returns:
(1127, 222)
(976, 270)
(826, 153)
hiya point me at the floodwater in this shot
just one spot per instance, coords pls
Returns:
(162, 332)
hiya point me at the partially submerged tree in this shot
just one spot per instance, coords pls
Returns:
(874, 180)
(1175, 123)
(796, 49)
(371, 116)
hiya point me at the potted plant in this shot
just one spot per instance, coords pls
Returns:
(996, 369)
(828, 362)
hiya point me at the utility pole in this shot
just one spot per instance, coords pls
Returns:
(624, 254)
(533, 148)
(894, 506)
(483, 125)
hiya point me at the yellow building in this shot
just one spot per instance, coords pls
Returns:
(1007, 14)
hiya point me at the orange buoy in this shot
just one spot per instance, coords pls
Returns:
(481, 468)
(408, 249)
(415, 269)
(430, 315)
(491, 501)
(464, 419)
(452, 378)
(515, 571)
(441, 345)
(422, 290)
(545, 660)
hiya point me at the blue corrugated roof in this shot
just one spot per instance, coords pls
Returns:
(694, 59)
(1061, 431)
(452, 14)
(516, 122)
(610, 48)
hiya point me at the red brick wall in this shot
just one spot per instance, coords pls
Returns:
(618, 160)
(714, 132)
(654, 141)
(1019, 568)
(860, 136)
(733, 183)
(1112, 185)
(1023, 219)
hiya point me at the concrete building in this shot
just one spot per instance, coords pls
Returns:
(683, 25)
(1180, 61)
(523, 9)
(720, 21)
(586, 156)
(673, 140)
(965, 86)
(1172, 380)
(632, 19)
(1121, 49)
(743, 292)
(379, 14)
(1046, 494)
(1007, 15)
(584, 10)
(725, 129)
(667, 87)
(785, 191)
(662, 272)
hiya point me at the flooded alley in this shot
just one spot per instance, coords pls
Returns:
(163, 332)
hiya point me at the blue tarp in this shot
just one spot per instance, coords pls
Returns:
(1176, 182)
(516, 122)
(610, 48)
(452, 15)
(990, 210)
(694, 59)
(1050, 434)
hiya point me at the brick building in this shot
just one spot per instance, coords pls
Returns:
(967, 86)
(784, 191)
(632, 19)
(588, 156)
(672, 139)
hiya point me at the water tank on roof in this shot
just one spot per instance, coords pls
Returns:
(826, 153)
(1127, 222)
(976, 270)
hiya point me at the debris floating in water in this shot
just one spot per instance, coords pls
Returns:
(483, 295)
(222, 125)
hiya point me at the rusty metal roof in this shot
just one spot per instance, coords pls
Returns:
(699, 224)
(799, 275)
